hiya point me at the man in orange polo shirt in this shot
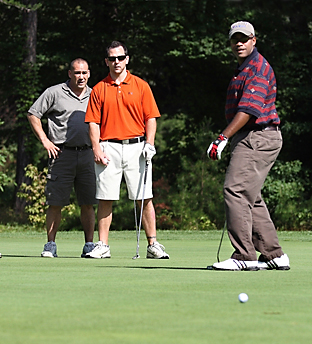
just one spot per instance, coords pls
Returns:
(122, 116)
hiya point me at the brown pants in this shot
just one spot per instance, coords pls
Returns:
(249, 224)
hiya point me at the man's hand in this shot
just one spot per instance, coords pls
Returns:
(148, 152)
(52, 150)
(216, 147)
(36, 127)
(99, 156)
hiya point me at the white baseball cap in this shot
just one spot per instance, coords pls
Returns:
(243, 27)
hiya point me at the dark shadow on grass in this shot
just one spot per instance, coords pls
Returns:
(18, 256)
(152, 267)
(114, 266)
(26, 256)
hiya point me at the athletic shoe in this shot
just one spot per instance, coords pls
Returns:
(100, 251)
(279, 263)
(156, 251)
(88, 247)
(236, 265)
(49, 250)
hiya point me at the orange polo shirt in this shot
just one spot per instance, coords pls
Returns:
(121, 110)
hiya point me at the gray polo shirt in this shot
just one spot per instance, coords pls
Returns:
(65, 113)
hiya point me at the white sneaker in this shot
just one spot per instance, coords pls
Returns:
(100, 251)
(49, 250)
(236, 265)
(88, 247)
(156, 251)
(279, 263)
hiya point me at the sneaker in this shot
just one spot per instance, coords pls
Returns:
(100, 251)
(236, 265)
(156, 251)
(279, 263)
(49, 250)
(88, 247)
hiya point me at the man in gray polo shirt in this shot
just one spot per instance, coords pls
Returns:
(69, 149)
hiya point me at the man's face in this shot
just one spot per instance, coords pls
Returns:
(79, 75)
(242, 46)
(117, 66)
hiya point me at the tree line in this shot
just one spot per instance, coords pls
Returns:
(180, 47)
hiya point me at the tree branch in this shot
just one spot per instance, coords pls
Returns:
(20, 6)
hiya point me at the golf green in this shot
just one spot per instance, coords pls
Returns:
(119, 300)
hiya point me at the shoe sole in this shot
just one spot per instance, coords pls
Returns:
(48, 255)
(246, 269)
(90, 257)
(282, 268)
(163, 257)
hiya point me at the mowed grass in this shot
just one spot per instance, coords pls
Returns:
(119, 300)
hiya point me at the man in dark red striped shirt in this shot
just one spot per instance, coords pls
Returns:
(253, 124)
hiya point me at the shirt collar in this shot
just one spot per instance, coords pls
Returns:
(66, 88)
(248, 59)
(126, 81)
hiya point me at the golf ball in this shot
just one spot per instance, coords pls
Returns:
(242, 297)
(105, 161)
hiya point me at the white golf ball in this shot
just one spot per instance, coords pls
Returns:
(105, 161)
(242, 297)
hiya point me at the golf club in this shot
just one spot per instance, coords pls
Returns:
(221, 241)
(135, 218)
(138, 230)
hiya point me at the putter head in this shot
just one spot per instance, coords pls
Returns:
(136, 256)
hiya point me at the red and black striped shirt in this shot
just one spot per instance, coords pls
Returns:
(253, 90)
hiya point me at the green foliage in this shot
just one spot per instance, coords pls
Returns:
(194, 201)
(5, 178)
(123, 211)
(26, 78)
(35, 197)
(286, 192)
(188, 192)
(20, 5)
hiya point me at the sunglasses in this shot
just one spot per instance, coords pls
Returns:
(241, 40)
(119, 58)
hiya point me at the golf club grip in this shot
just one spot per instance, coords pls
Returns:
(145, 174)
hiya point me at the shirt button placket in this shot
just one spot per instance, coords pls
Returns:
(119, 92)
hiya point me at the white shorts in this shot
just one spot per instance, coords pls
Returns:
(125, 160)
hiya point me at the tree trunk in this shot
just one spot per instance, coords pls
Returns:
(23, 157)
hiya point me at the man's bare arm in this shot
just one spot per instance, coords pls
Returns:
(36, 127)
(94, 133)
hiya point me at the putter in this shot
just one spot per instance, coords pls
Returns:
(138, 230)
(221, 241)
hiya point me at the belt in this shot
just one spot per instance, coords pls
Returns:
(259, 128)
(78, 148)
(272, 128)
(129, 141)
